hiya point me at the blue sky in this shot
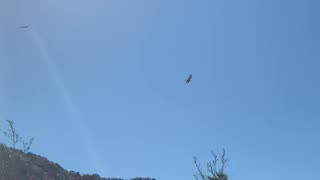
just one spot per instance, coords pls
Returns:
(100, 85)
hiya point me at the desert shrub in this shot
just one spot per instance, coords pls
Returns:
(215, 172)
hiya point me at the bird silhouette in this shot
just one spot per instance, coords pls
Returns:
(26, 26)
(189, 79)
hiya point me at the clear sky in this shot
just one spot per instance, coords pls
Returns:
(100, 84)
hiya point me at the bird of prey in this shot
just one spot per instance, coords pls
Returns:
(189, 79)
(26, 26)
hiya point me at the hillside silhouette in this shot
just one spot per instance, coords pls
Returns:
(17, 165)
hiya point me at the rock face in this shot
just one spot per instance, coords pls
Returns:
(17, 165)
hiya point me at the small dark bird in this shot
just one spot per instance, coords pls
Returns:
(189, 79)
(24, 27)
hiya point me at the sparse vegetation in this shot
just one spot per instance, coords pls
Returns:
(16, 165)
(12, 134)
(215, 168)
(26, 145)
(15, 138)
(215, 172)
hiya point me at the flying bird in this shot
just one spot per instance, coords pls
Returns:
(26, 26)
(189, 79)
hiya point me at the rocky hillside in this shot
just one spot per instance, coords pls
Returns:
(16, 165)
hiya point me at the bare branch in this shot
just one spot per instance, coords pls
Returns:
(212, 168)
(224, 160)
(12, 134)
(200, 173)
(15, 138)
(26, 145)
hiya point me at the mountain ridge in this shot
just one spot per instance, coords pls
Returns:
(17, 165)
